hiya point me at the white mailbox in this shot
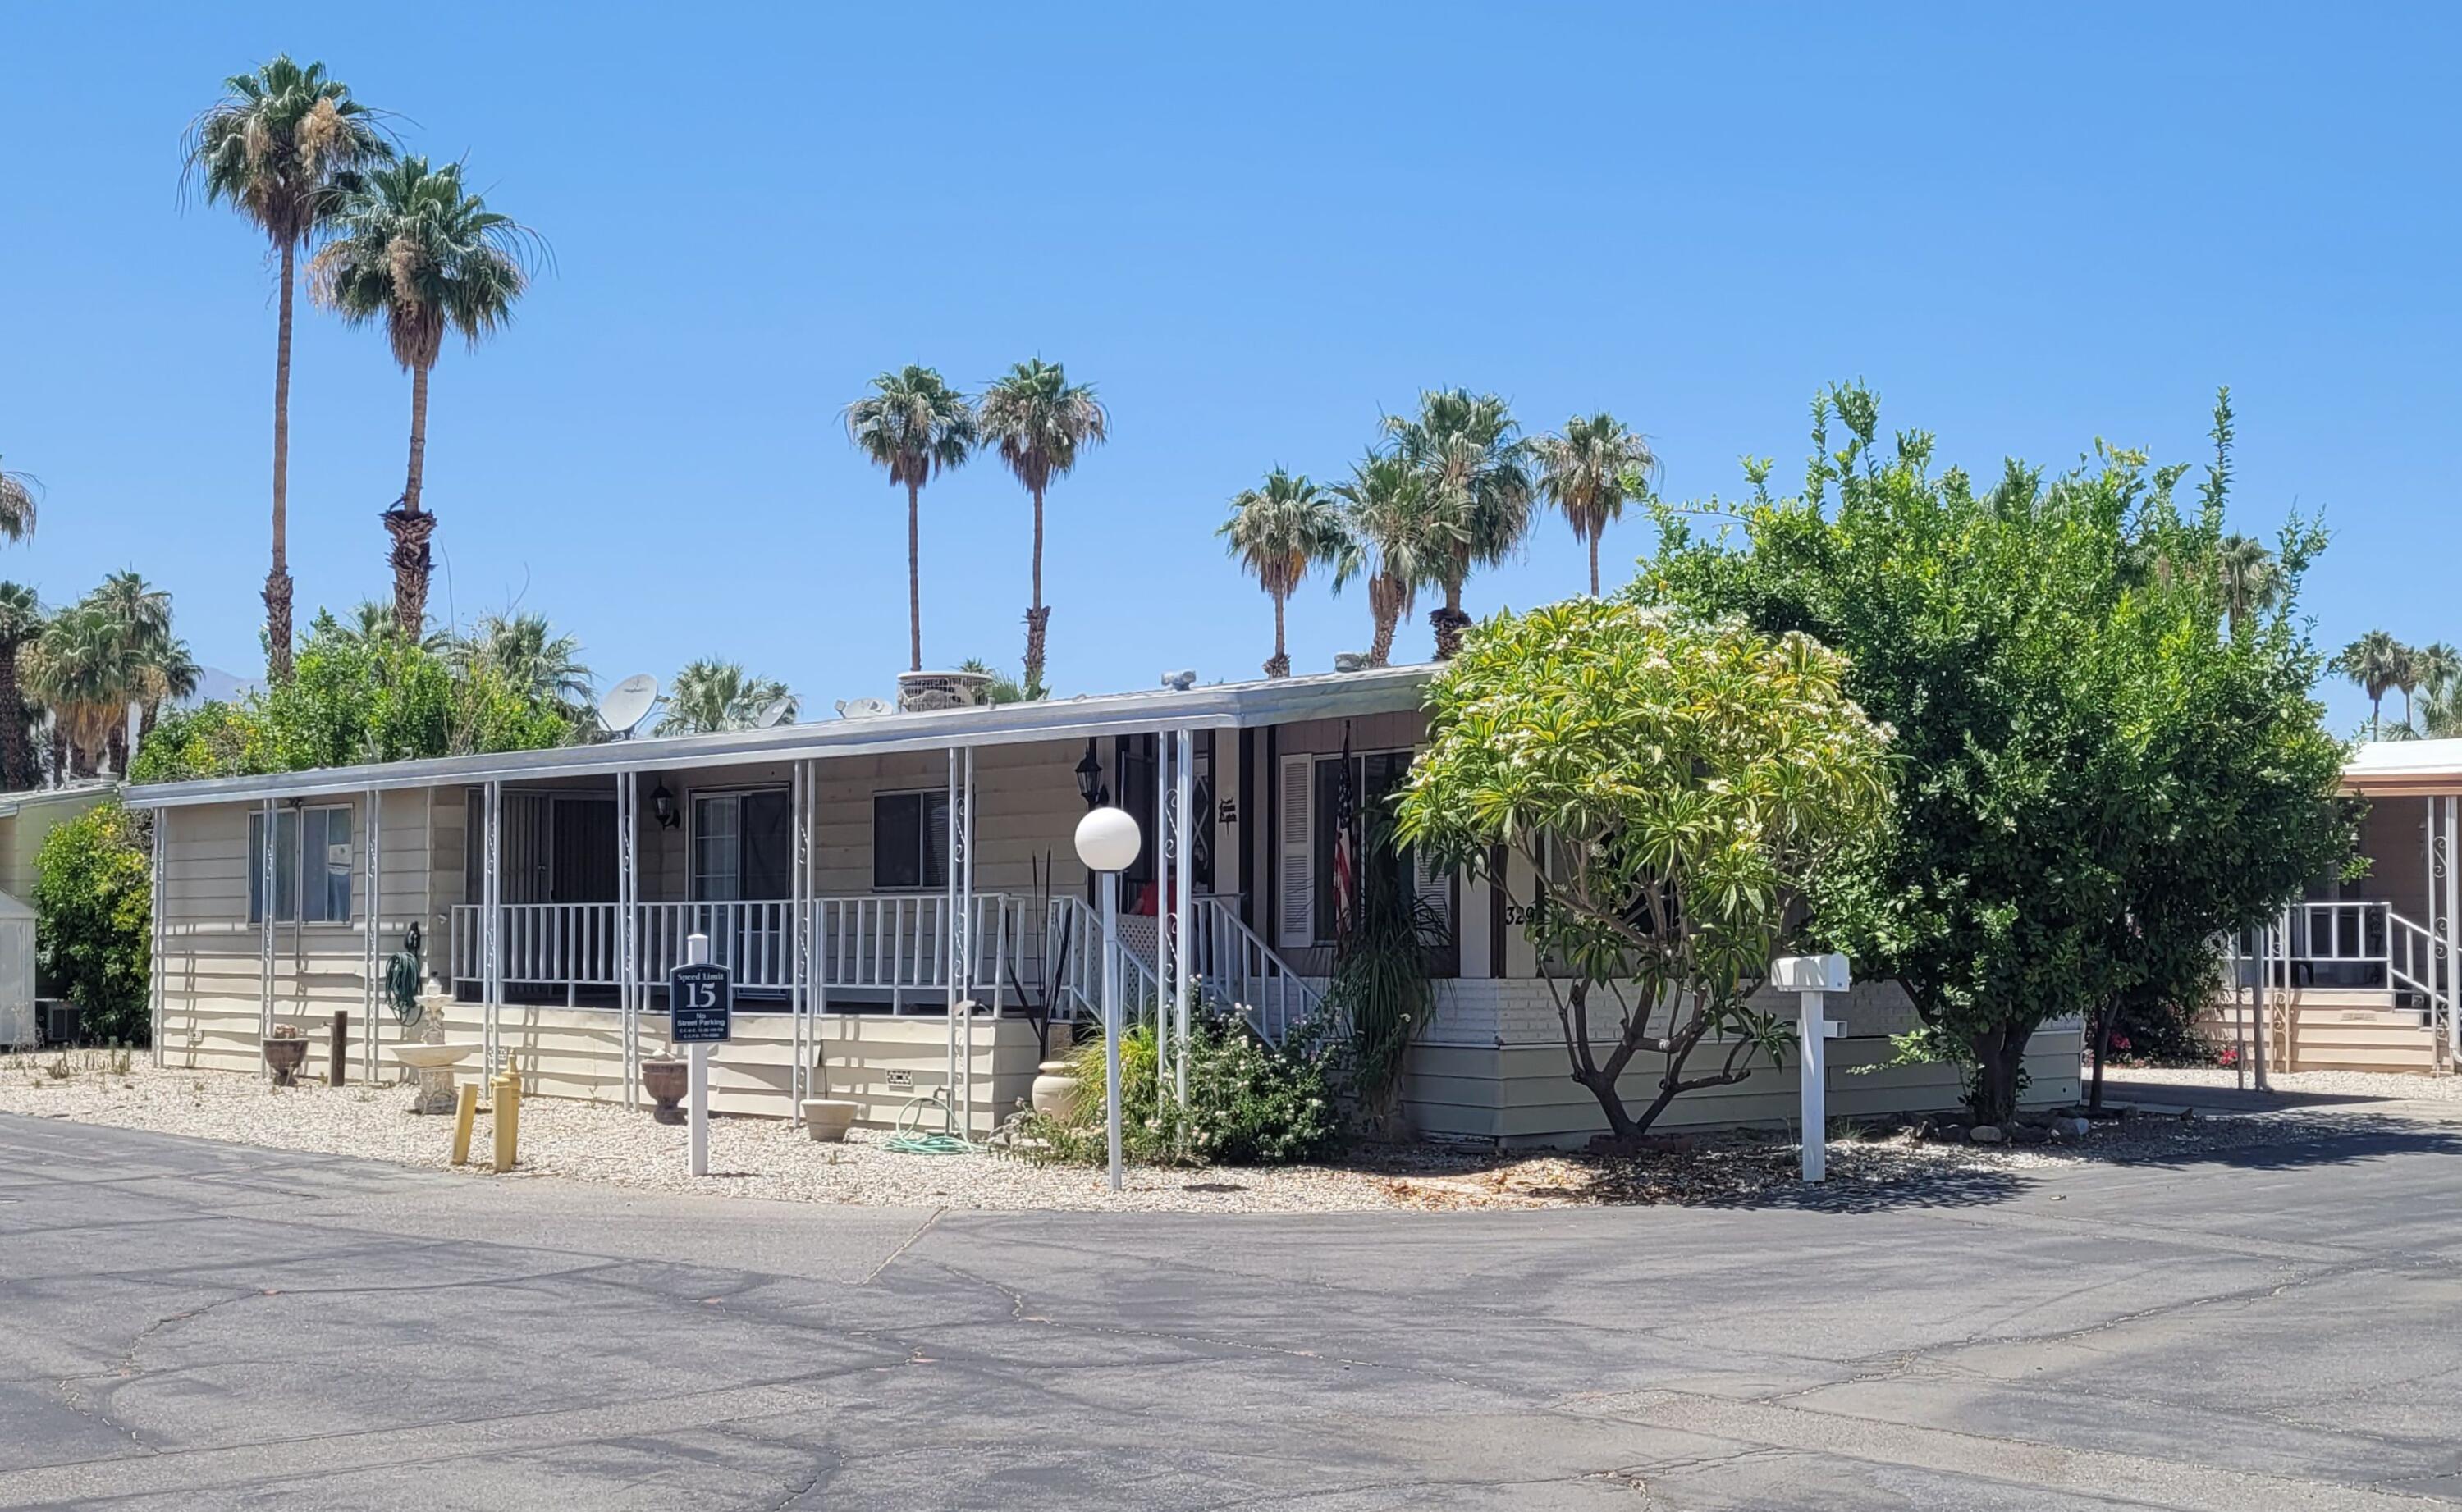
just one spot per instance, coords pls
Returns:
(1809, 973)
(1808, 977)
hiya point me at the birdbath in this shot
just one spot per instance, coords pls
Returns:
(434, 1060)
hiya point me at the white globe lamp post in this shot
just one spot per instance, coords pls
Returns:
(1107, 843)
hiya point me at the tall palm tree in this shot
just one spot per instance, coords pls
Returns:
(2247, 577)
(1468, 451)
(140, 614)
(2376, 661)
(282, 146)
(525, 650)
(1397, 536)
(21, 621)
(415, 247)
(1039, 422)
(711, 696)
(2438, 667)
(16, 504)
(1278, 532)
(1590, 472)
(916, 426)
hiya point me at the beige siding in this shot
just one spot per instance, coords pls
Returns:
(1522, 1095)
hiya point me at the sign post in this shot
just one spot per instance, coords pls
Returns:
(1811, 977)
(700, 1013)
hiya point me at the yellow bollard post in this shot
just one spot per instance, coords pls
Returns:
(508, 1119)
(465, 1112)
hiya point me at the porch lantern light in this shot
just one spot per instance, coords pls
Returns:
(662, 806)
(1090, 780)
(1107, 843)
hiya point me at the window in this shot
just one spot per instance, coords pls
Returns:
(1374, 778)
(314, 844)
(743, 845)
(910, 839)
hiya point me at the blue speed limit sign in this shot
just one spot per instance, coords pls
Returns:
(701, 1003)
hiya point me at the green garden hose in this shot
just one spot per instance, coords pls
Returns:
(911, 1140)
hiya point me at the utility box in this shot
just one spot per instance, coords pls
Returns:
(19, 1027)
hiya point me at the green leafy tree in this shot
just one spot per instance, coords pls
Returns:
(524, 650)
(1590, 472)
(914, 426)
(415, 249)
(1040, 423)
(1679, 784)
(708, 696)
(352, 700)
(94, 919)
(2060, 715)
(1397, 536)
(283, 147)
(1470, 457)
(1278, 532)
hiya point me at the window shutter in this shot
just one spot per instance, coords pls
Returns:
(1435, 889)
(1295, 866)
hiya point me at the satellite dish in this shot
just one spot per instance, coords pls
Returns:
(775, 713)
(627, 702)
(862, 708)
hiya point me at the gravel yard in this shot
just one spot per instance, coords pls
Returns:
(2328, 1083)
(770, 1158)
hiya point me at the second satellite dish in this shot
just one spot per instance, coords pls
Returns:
(627, 702)
(777, 711)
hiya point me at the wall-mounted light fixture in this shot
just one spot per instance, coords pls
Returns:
(1090, 780)
(662, 806)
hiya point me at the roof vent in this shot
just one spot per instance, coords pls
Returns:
(1350, 661)
(1179, 682)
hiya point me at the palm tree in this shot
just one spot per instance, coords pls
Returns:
(2377, 662)
(16, 504)
(1590, 472)
(1471, 457)
(2438, 667)
(916, 426)
(1003, 688)
(21, 621)
(1278, 532)
(1039, 422)
(170, 673)
(371, 620)
(85, 667)
(712, 695)
(140, 614)
(282, 146)
(2246, 576)
(416, 249)
(525, 651)
(1395, 536)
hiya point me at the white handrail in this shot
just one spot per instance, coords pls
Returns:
(1079, 977)
(1241, 969)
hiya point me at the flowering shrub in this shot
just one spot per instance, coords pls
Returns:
(1248, 1103)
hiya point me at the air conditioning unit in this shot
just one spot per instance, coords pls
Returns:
(58, 1020)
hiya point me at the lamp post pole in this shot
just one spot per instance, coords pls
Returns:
(1107, 843)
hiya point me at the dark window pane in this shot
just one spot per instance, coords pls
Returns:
(896, 840)
(934, 838)
(768, 853)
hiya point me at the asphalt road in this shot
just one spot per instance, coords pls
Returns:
(190, 1326)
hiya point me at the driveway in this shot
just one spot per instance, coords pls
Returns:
(188, 1326)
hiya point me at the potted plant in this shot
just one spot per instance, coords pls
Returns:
(826, 1118)
(286, 1050)
(664, 1078)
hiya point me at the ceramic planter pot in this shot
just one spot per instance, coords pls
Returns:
(665, 1080)
(284, 1057)
(827, 1119)
(1054, 1094)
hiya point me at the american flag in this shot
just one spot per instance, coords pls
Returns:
(1346, 819)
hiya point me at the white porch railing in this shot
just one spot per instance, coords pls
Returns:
(1238, 968)
(1072, 941)
(893, 946)
(2360, 944)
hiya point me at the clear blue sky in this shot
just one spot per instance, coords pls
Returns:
(1254, 232)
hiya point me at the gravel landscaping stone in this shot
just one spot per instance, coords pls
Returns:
(774, 1159)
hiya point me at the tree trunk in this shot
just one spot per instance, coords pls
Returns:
(411, 527)
(2104, 1022)
(1449, 622)
(277, 580)
(1594, 563)
(1385, 607)
(114, 745)
(61, 761)
(1999, 1058)
(915, 574)
(13, 762)
(1038, 619)
(1279, 665)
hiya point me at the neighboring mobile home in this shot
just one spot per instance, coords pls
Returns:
(865, 877)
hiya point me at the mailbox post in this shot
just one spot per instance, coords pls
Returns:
(1811, 978)
(700, 1013)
